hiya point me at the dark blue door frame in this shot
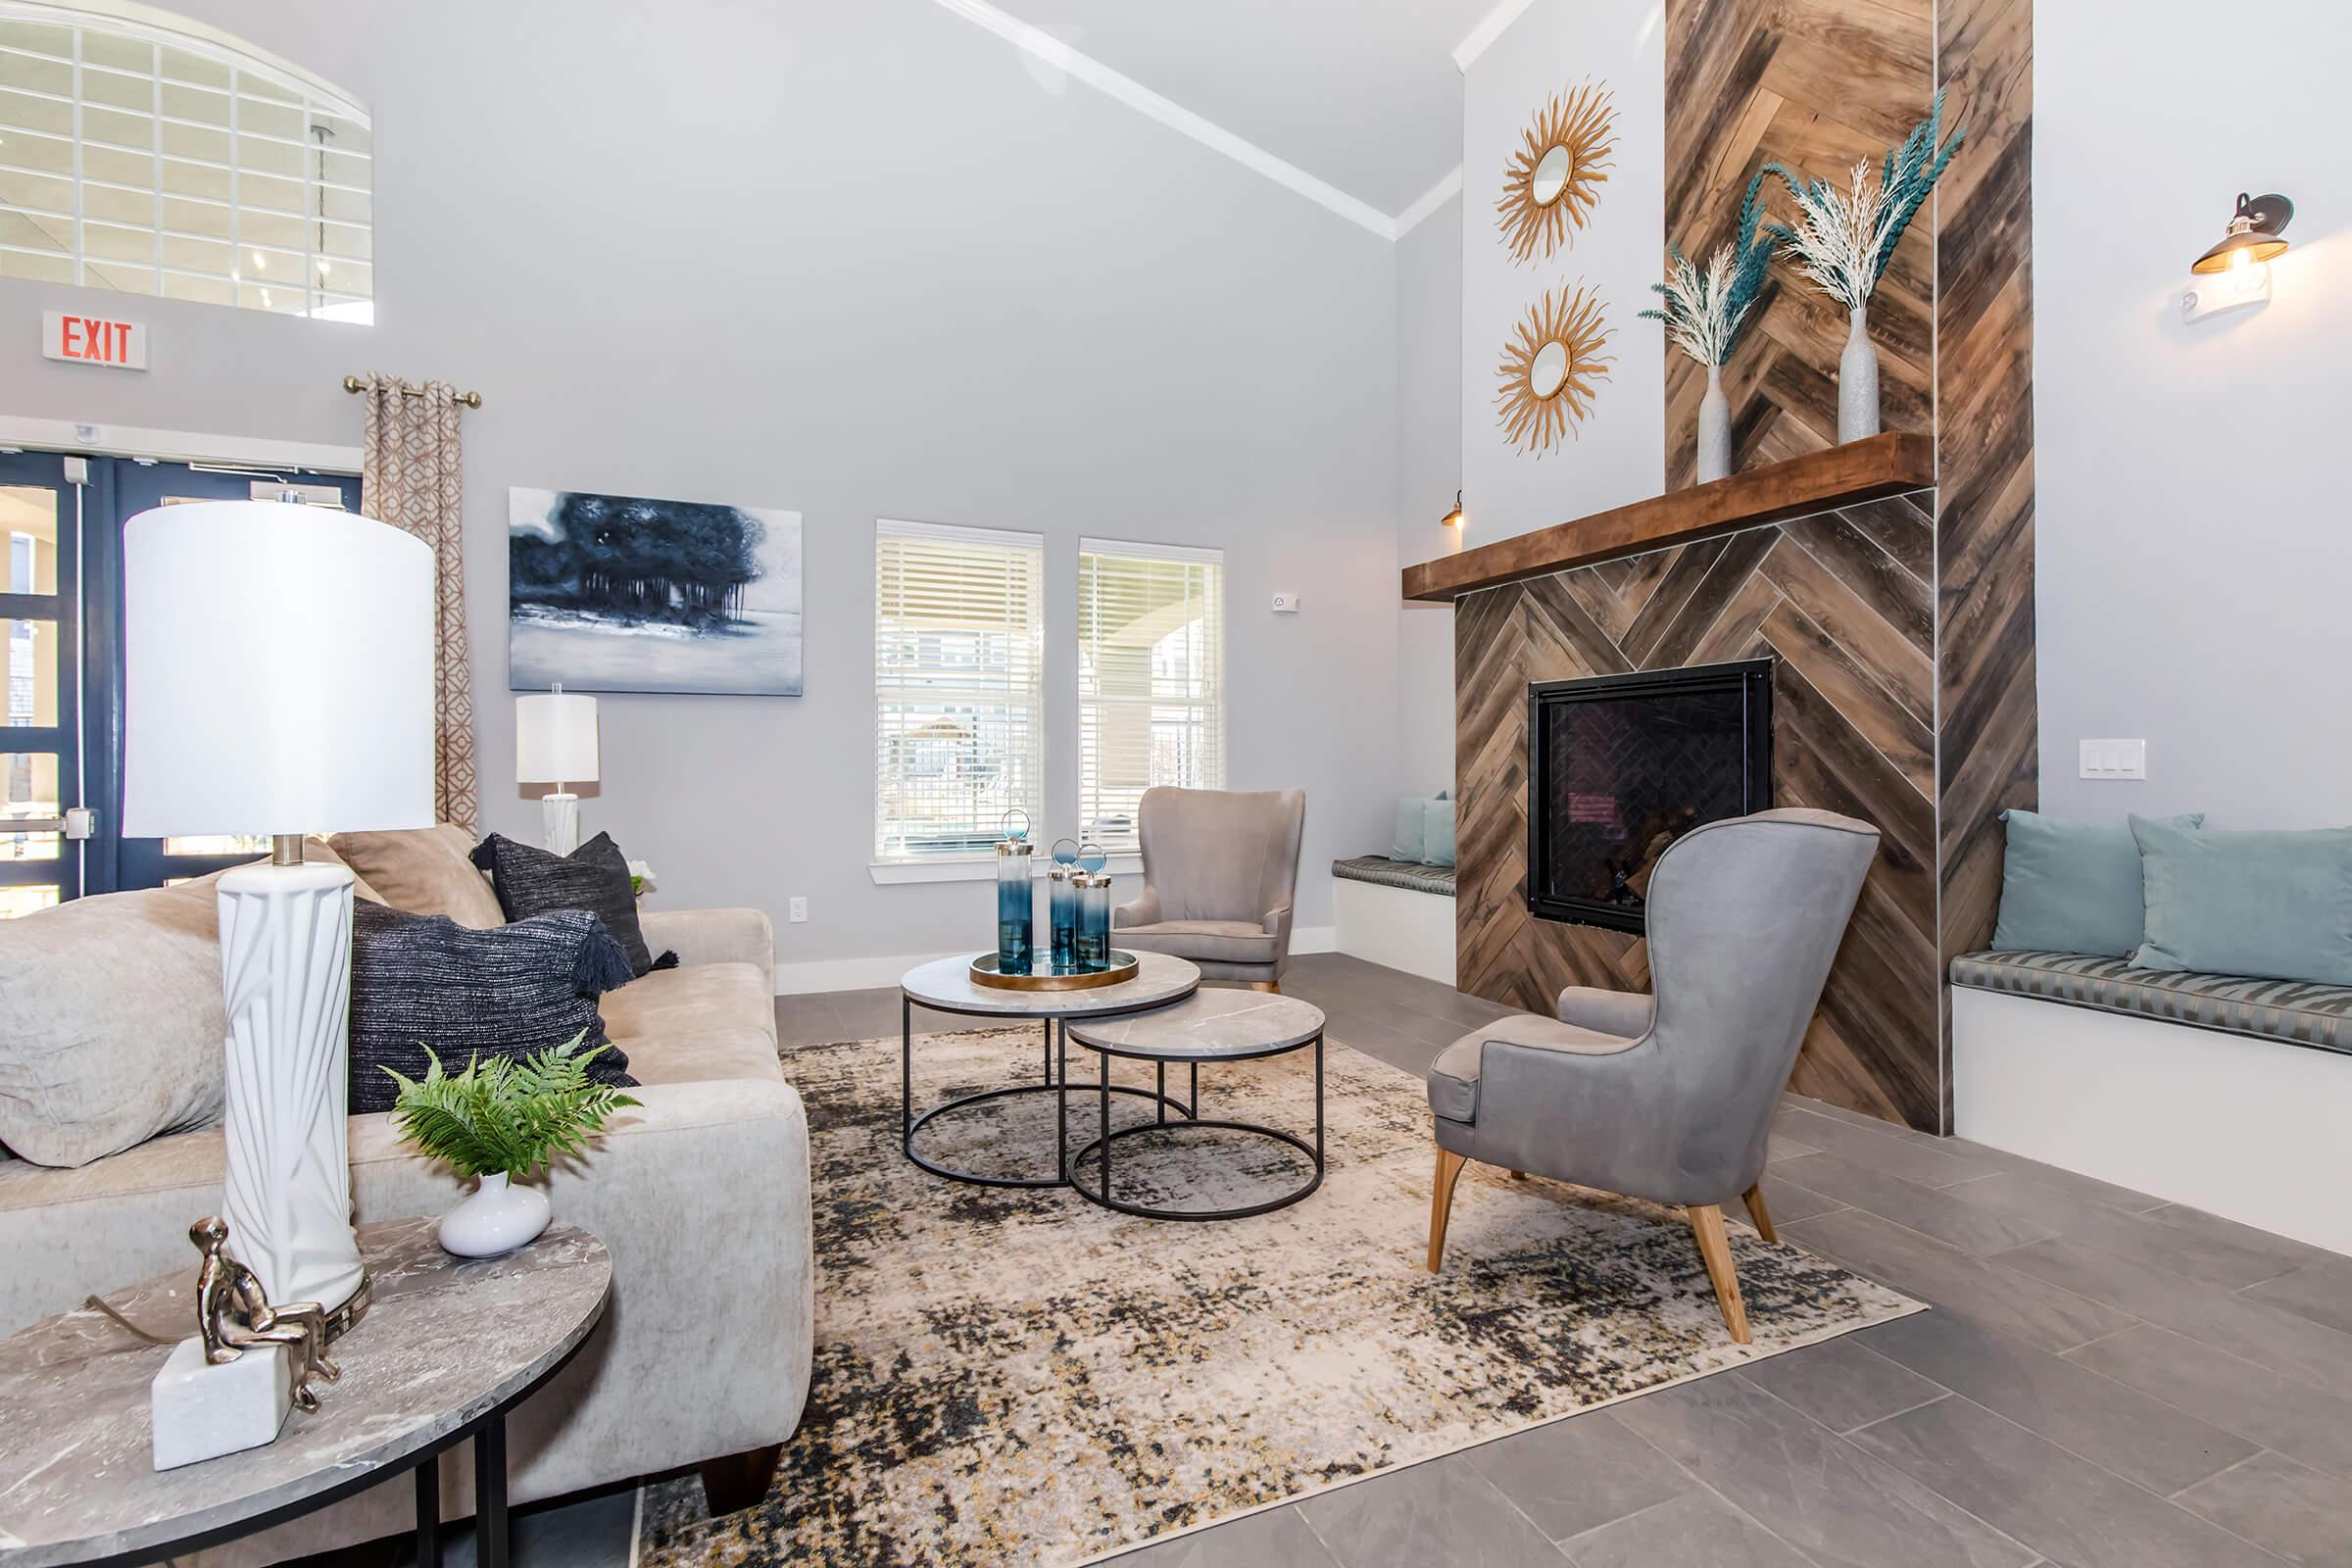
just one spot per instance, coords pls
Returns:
(59, 608)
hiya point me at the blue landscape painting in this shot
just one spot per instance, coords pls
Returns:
(625, 594)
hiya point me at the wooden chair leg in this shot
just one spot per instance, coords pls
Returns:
(1707, 1223)
(1518, 1175)
(1441, 1202)
(1754, 1199)
(1274, 986)
(740, 1480)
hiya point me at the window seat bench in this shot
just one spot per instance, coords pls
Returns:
(2222, 1092)
(1396, 913)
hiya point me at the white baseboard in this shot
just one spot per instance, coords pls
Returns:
(2251, 1130)
(869, 974)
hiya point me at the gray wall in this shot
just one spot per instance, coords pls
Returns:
(854, 260)
(1429, 469)
(2191, 542)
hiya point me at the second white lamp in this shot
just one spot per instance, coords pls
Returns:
(555, 742)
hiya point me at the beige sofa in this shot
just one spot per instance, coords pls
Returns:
(701, 1195)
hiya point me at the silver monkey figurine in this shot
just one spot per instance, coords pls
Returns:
(231, 1313)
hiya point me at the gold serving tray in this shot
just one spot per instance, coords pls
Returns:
(985, 974)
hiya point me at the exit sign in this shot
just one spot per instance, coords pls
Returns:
(94, 340)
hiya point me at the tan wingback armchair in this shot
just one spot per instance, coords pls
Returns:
(1220, 870)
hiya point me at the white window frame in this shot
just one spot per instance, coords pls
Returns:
(1214, 702)
(887, 866)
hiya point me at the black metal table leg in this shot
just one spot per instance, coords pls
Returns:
(1318, 1101)
(906, 1069)
(490, 1493)
(1049, 1050)
(1062, 1111)
(1104, 1066)
(1163, 1090)
(428, 1513)
(1195, 1112)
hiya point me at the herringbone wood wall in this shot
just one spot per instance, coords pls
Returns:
(1844, 603)
(1814, 85)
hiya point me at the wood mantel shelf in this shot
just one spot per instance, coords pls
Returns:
(1820, 481)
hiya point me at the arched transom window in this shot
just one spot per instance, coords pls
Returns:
(154, 156)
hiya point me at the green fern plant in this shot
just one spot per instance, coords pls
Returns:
(505, 1115)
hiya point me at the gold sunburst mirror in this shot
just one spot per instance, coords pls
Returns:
(1550, 184)
(1551, 368)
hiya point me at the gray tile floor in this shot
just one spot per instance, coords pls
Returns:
(2107, 1378)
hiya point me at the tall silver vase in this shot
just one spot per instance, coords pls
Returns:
(1858, 380)
(1714, 430)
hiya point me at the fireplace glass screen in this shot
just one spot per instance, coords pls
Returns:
(1622, 765)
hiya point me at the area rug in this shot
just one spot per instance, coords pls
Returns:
(1021, 1377)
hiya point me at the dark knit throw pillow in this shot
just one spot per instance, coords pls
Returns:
(420, 980)
(595, 877)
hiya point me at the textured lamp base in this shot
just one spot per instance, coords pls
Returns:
(285, 969)
(560, 822)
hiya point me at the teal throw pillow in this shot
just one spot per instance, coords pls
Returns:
(1405, 843)
(1437, 838)
(2072, 887)
(2273, 905)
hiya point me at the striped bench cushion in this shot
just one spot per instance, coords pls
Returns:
(2294, 1011)
(1409, 875)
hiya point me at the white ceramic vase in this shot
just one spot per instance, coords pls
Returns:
(1714, 430)
(498, 1218)
(1857, 379)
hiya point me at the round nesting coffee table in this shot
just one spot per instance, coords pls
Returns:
(946, 985)
(448, 1348)
(1211, 1026)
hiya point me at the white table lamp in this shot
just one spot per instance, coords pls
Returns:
(279, 682)
(555, 742)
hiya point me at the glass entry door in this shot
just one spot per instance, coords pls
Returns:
(40, 682)
(61, 669)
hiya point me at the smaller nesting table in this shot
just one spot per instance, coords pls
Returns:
(1209, 1026)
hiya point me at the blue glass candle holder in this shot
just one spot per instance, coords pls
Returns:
(1092, 945)
(1061, 914)
(1015, 904)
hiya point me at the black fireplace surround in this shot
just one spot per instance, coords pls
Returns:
(1620, 765)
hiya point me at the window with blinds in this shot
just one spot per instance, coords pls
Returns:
(152, 161)
(958, 687)
(1151, 679)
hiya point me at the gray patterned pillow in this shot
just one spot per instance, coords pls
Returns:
(419, 980)
(529, 880)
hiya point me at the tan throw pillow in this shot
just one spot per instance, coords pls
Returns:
(110, 1022)
(319, 852)
(425, 872)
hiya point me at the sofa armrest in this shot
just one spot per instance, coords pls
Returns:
(1144, 910)
(700, 1194)
(714, 936)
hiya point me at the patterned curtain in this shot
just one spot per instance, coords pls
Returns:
(411, 478)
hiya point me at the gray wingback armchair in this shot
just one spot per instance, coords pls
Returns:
(1669, 1096)
(1220, 870)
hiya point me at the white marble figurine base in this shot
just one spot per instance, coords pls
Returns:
(202, 1410)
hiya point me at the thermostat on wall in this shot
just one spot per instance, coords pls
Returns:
(1286, 602)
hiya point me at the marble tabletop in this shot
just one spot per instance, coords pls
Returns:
(947, 984)
(1208, 1026)
(446, 1341)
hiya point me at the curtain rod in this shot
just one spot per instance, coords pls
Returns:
(472, 400)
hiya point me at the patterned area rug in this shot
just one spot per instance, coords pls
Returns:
(1010, 1377)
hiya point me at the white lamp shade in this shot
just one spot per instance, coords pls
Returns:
(555, 739)
(279, 671)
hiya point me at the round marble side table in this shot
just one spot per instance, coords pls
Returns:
(946, 985)
(448, 1348)
(1208, 1027)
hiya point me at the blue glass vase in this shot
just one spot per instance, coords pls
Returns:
(1093, 947)
(1015, 907)
(1061, 915)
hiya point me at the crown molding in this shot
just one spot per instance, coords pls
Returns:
(1144, 101)
(1491, 26)
(1429, 200)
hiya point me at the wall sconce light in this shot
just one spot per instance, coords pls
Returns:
(2236, 261)
(1454, 519)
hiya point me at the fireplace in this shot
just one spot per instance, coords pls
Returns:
(1620, 766)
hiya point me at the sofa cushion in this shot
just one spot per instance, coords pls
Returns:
(528, 880)
(425, 872)
(698, 1023)
(1218, 940)
(419, 981)
(2294, 1011)
(110, 1022)
(2275, 904)
(2071, 886)
(1411, 876)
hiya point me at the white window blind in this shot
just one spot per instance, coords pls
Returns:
(958, 687)
(137, 158)
(1151, 679)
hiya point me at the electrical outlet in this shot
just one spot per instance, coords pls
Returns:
(799, 910)
(2114, 760)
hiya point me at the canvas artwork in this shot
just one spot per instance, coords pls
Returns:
(624, 594)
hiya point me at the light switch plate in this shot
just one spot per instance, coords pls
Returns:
(2115, 758)
(799, 911)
